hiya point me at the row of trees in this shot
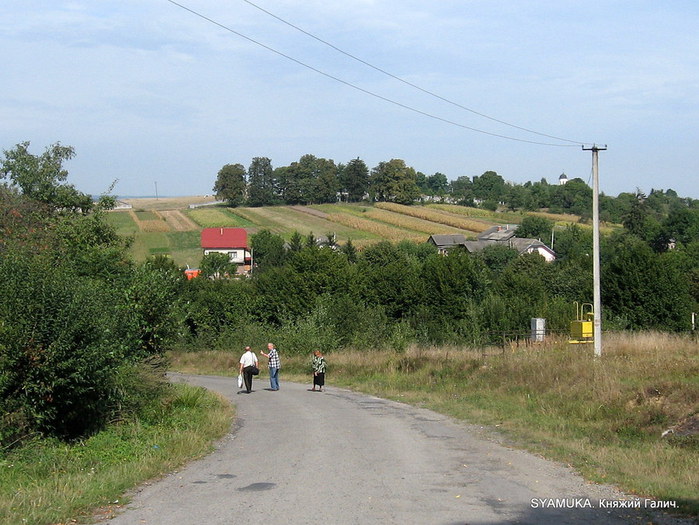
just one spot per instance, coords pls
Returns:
(318, 180)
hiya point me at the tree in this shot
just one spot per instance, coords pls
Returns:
(453, 281)
(350, 251)
(462, 190)
(261, 184)
(643, 289)
(41, 177)
(393, 181)
(489, 187)
(437, 184)
(230, 184)
(574, 197)
(535, 227)
(268, 249)
(354, 180)
(296, 242)
(516, 197)
(318, 179)
(216, 265)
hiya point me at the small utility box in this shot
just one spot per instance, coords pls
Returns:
(538, 325)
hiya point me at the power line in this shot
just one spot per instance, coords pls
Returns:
(406, 82)
(366, 91)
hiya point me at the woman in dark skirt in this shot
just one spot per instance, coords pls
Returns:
(318, 371)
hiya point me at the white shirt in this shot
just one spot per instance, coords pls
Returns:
(248, 359)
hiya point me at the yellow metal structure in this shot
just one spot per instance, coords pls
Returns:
(582, 328)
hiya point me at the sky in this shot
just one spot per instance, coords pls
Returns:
(158, 96)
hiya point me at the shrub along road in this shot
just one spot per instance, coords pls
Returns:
(296, 456)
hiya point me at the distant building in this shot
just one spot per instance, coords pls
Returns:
(495, 236)
(563, 179)
(121, 205)
(230, 241)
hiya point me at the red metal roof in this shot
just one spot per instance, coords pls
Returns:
(213, 238)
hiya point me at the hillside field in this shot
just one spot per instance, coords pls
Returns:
(168, 226)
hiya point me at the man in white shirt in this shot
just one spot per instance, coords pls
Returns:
(248, 367)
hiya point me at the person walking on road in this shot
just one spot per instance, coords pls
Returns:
(318, 371)
(248, 367)
(274, 365)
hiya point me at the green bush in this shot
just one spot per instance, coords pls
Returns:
(61, 340)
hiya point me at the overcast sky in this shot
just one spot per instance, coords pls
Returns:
(149, 93)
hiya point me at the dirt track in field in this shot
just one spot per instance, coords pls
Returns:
(178, 221)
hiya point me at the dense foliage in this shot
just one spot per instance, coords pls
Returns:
(390, 295)
(76, 315)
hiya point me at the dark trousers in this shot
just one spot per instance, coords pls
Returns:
(247, 377)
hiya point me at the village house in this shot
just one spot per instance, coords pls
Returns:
(230, 241)
(497, 235)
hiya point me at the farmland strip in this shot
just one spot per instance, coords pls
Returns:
(434, 216)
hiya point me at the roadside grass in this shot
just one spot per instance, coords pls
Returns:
(55, 482)
(602, 416)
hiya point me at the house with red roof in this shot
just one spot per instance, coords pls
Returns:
(230, 241)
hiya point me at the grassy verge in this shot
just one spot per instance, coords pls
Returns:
(54, 482)
(604, 417)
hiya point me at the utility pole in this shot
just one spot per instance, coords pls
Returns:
(597, 294)
(156, 190)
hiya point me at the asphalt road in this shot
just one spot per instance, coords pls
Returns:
(338, 457)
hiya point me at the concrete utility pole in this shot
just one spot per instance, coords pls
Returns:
(597, 295)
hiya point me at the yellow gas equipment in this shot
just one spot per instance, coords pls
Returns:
(582, 328)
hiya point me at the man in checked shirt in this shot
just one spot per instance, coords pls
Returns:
(274, 365)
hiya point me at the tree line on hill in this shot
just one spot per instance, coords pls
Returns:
(314, 180)
(79, 319)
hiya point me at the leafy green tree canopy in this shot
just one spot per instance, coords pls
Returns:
(535, 227)
(393, 181)
(42, 177)
(230, 184)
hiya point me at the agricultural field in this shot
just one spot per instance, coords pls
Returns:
(167, 226)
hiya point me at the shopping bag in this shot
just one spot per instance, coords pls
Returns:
(240, 380)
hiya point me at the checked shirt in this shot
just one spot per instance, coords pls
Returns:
(274, 361)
